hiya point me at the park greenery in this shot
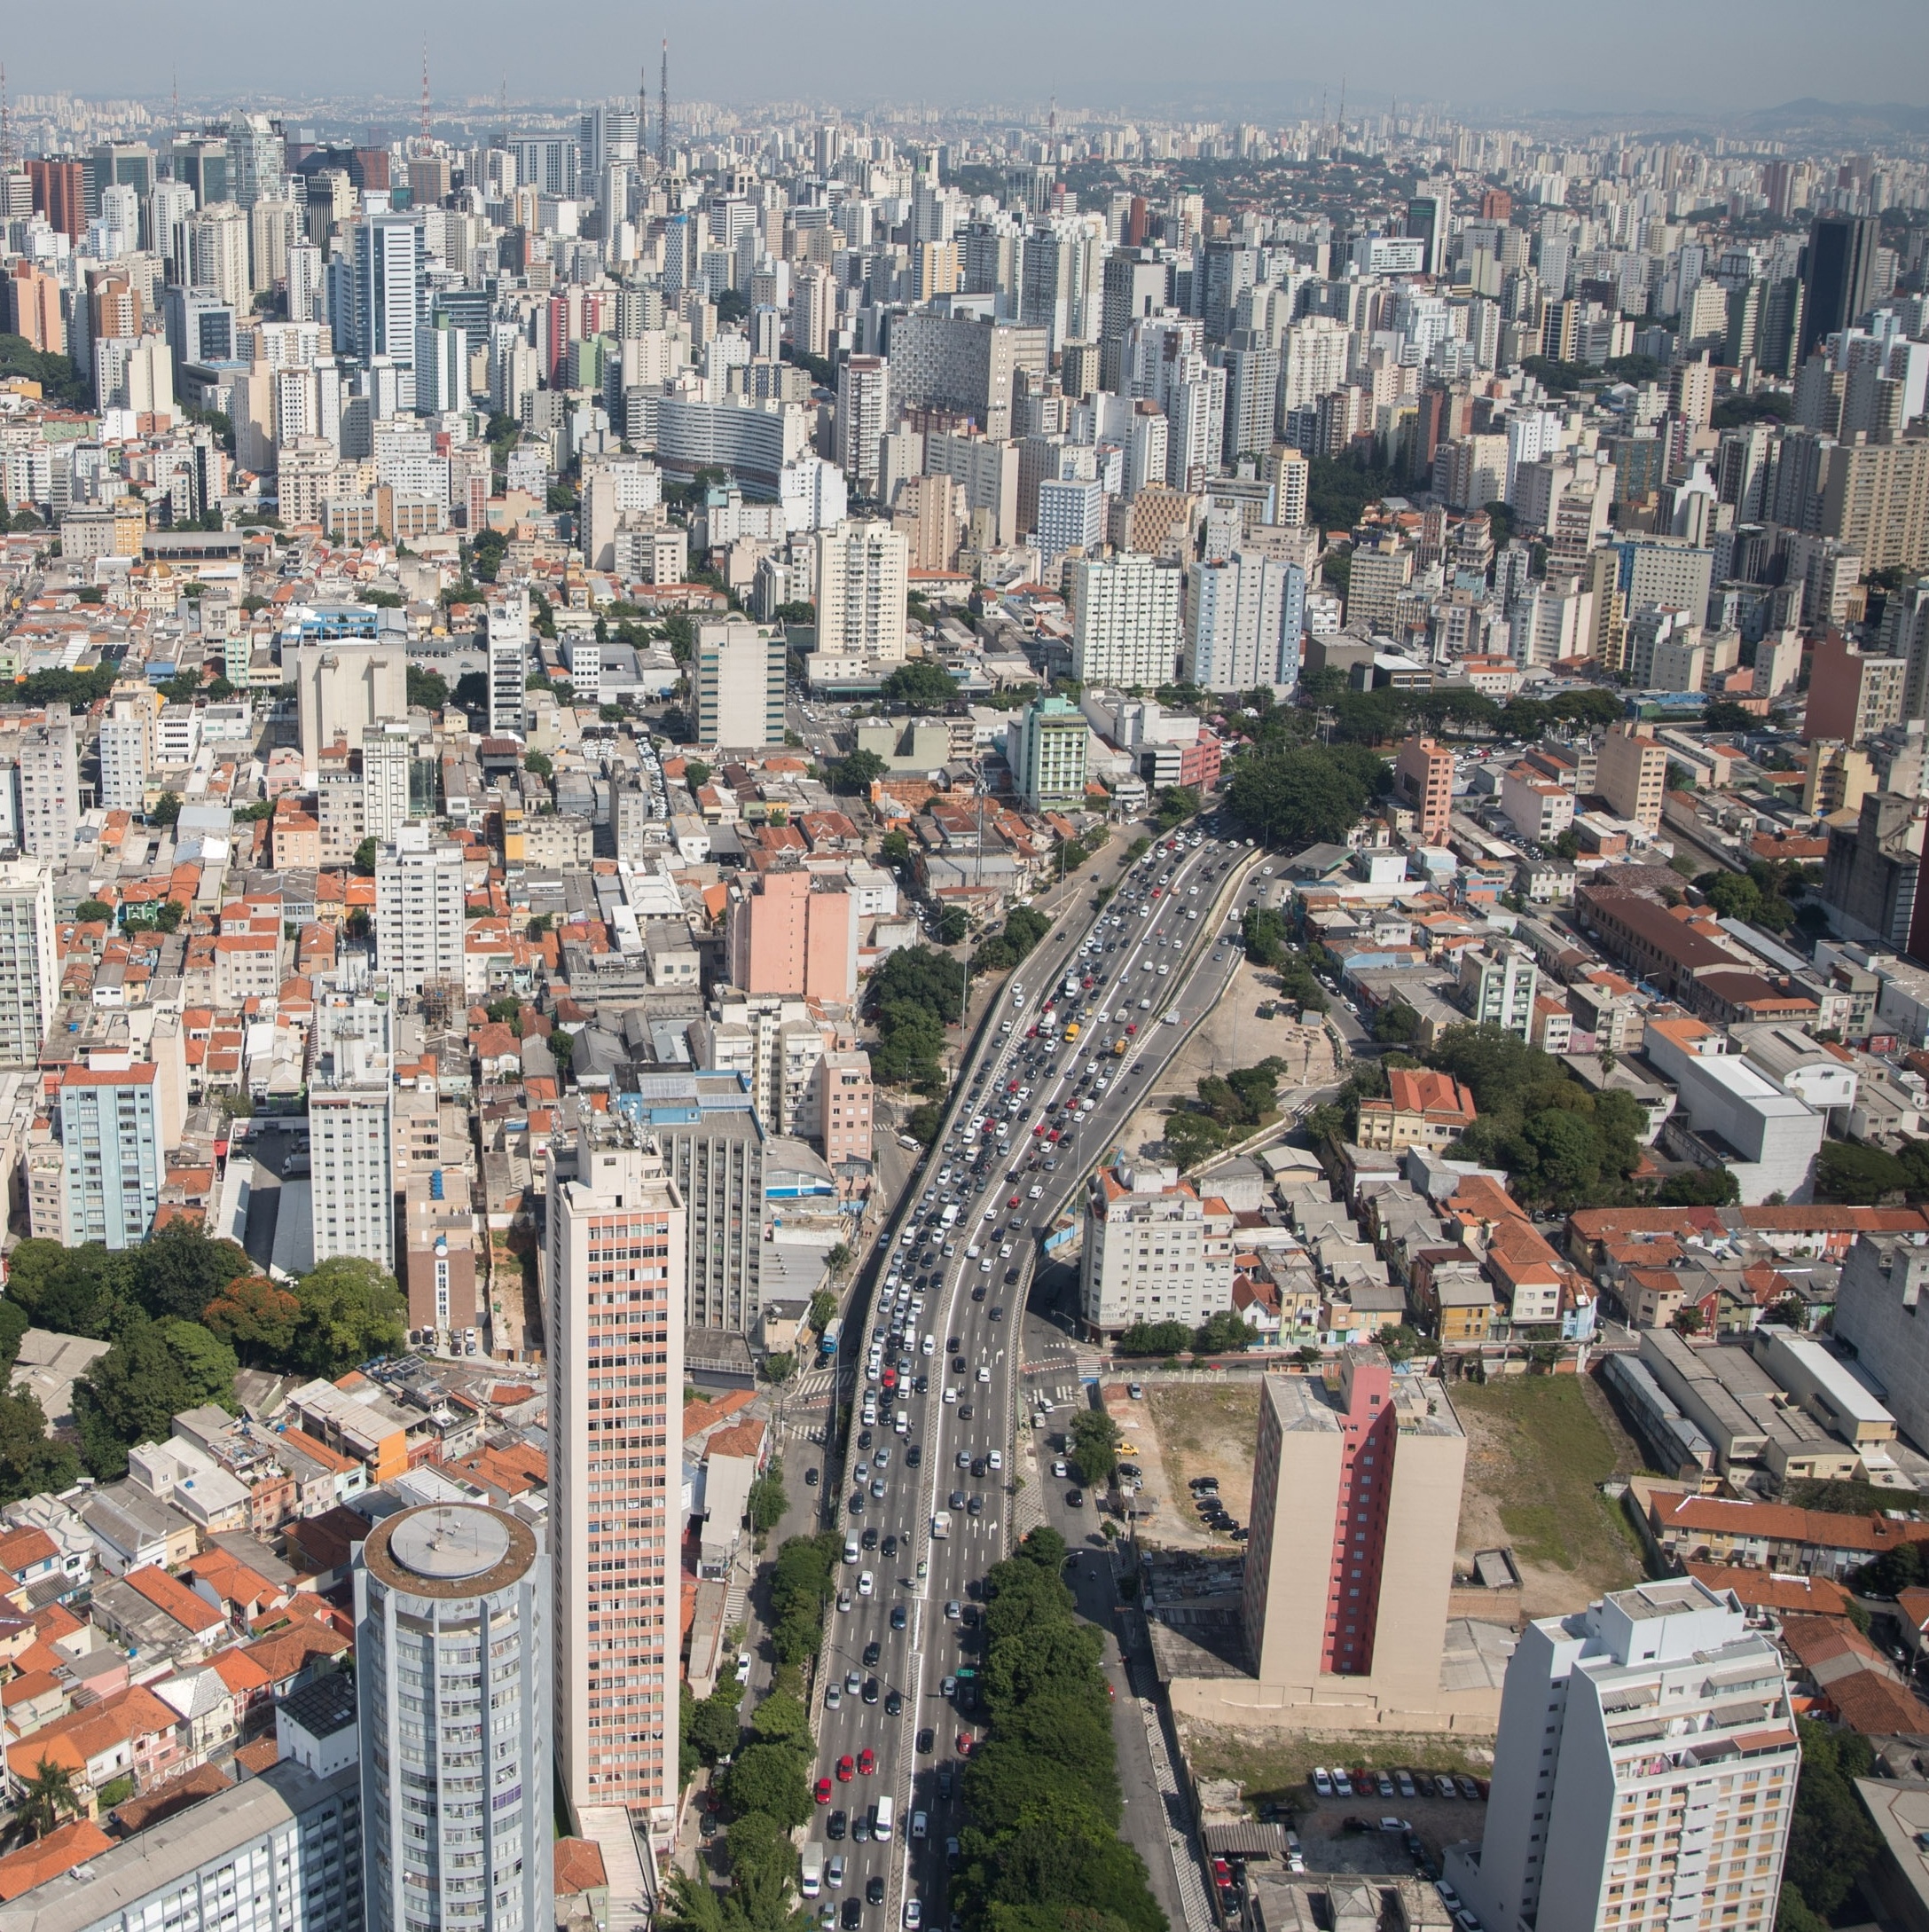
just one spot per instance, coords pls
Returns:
(1858, 1176)
(852, 777)
(1228, 1107)
(1092, 1446)
(916, 994)
(183, 1312)
(919, 686)
(1832, 1840)
(1224, 1334)
(1176, 804)
(1043, 1851)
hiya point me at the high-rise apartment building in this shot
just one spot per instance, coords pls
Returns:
(740, 683)
(1851, 694)
(1355, 1509)
(1632, 775)
(1876, 502)
(616, 1264)
(507, 642)
(1244, 617)
(862, 573)
(1125, 622)
(1154, 1251)
(419, 911)
(1045, 749)
(111, 1148)
(776, 1042)
(864, 414)
(385, 264)
(351, 1126)
(846, 1102)
(1645, 1771)
(343, 688)
(29, 960)
(1498, 982)
(1292, 476)
(794, 932)
(218, 253)
(454, 1676)
(398, 782)
(49, 786)
(1424, 779)
(1071, 517)
(126, 746)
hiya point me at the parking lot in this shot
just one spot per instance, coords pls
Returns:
(1329, 1847)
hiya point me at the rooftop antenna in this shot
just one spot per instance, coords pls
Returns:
(424, 90)
(177, 73)
(662, 114)
(1051, 120)
(505, 110)
(642, 114)
(1340, 129)
(6, 124)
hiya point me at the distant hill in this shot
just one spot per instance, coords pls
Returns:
(1839, 118)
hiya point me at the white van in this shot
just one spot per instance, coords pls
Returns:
(813, 1870)
(850, 1549)
(882, 1814)
(940, 1526)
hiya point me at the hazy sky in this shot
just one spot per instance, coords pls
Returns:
(1250, 57)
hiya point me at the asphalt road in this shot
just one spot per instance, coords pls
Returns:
(973, 1297)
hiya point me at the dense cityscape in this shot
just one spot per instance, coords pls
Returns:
(1002, 1019)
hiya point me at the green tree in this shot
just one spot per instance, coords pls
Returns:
(181, 1269)
(714, 1725)
(48, 1795)
(783, 1718)
(1177, 804)
(894, 849)
(166, 810)
(1701, 1187)
(1297, 795)
(1733, 895)
(352, 1312)
(854, 776)
(770, 1778)
(919, 686)
(1095, 1437)
(93, 911)
(428, 690)
(1832, 1840)
(132, 1393)
(206, 1362)
(538, 764)
(1858, 1176)
(1151, 1338)
(1190, 1138)
(1223, 1333)
(30, 1460)
(766, 1501)
(1263, 930)
(364, 862)
(925, 1123)
(83, 1291)
(954, 925)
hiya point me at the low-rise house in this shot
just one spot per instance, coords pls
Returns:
(1423, 1109)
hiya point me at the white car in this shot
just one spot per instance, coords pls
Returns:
(995, 1459)
(929, 1346)
(867, 1583)
(1058, 1466)
(914, 1912)
(951, 1395)
(834, 1697)
(984, 1375)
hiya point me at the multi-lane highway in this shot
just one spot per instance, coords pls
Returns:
(926, 1494)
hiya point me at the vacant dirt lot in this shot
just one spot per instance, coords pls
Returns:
(1232, 1035)
(1538, 1449)
(1195, 1426)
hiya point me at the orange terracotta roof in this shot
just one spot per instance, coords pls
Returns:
(61, 1851)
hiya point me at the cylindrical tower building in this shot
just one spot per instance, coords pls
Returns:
(452, 1655)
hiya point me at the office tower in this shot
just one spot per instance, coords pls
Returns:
(1154, 1251)
(706, 1125)
(1427, 221)
(793, 932)
(1644, 1772)
(454, 1674)
(1126, 629)
(1244, 621)
(508, 645)
(864, 414)
(617, 1268)
(29, 964)
(1632, 775)
(385, 266)
(1838, 277)
(1045, 749)
(399, 782)
(1424, 781)
(60, 189)
(343, 688)
(127, 749)
(1355, 1508)
(740, 683)
(1071, 517)
(418, 912)
(111, 1151)
(1251, 397)
(862, 585)
(1131, 289)
(256, 158)
(218, 253)
(351, 1126)
(49, 786)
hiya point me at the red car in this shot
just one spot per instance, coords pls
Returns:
(846, 1769)
(1130, 1028)
(823, 1791)
(890, 1379)
(1039, 1128)
(1011, 1086)
(964, 1744)
(1013, 1202)
(1053, 1135)
(1156, 891)
(1032, 1032)
(866, 1762)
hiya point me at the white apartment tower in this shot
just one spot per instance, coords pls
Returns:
(1154, 1251)
(388, 761)
(419, 911)
(1243, 620)
(1125, 622)
(127, 751)
(740, 683)
(351, 1128)
(617, 1263)
(863, 414)
(49, 786)
(29, 964)
(452, 1625)
(1645, 1770)
(508, 643)
(863, 580)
